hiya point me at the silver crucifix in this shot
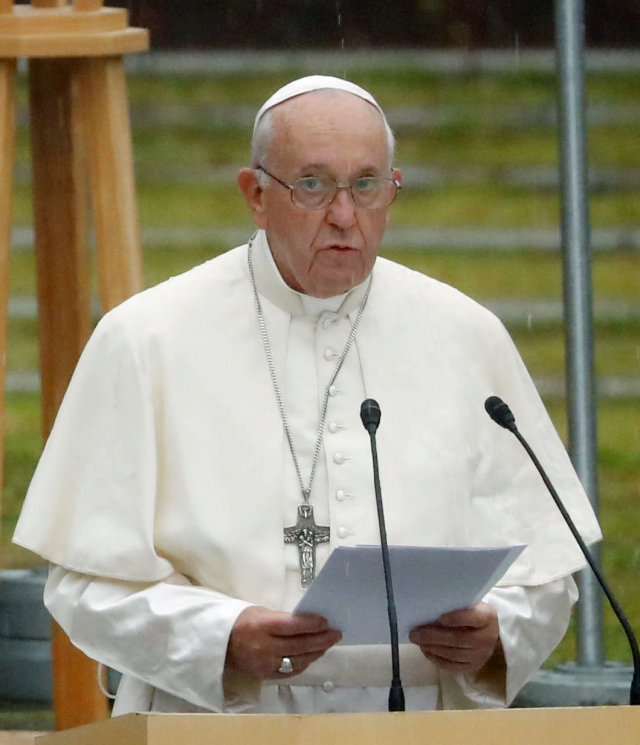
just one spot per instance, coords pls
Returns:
(307, 535)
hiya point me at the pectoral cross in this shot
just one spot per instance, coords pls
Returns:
(307, 535)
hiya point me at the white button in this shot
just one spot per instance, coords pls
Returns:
(338, 458)
(340, 495)
(328, 686)
(343, 532)
(328, 354)
(334, 427)
(333, 391)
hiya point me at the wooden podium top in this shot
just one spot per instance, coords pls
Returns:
(613, 725)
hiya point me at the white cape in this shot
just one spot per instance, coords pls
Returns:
(170, 430)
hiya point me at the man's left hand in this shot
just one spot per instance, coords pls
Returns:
(462, 641)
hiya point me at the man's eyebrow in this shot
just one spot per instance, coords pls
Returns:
(323, 167)
(314, 167)
(375, 169)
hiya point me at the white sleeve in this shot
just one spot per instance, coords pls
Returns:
(532, 621)
(170, 634)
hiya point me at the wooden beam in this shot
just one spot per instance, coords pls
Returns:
(87, 5)
(105, 118)
(60, 228)
(49, 3)
(64, 310)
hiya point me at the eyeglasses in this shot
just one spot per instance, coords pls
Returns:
(317, 192)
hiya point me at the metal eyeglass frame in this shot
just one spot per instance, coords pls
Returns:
(291, 187)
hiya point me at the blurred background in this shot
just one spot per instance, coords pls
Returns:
(470, 91)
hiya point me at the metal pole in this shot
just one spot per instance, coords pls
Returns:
(577, 289)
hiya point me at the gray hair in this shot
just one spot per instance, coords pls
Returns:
(263, 137)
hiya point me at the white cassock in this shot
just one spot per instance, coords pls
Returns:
(164, 488)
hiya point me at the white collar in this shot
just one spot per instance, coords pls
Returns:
(270, 284)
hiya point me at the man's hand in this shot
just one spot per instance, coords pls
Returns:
(462, 641)
(261, 637)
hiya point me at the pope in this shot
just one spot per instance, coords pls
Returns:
(208, 455)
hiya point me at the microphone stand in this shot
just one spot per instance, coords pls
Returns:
(370, 415)
(501, 414)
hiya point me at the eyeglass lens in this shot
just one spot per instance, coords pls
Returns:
(314, 192)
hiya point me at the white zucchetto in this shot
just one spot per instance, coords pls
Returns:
(313, 83)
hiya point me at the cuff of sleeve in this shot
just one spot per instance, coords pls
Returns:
(483, 690)
(532, 621)
(205, 682)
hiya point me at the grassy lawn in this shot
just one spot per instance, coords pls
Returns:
(391, 89)
(619, 476)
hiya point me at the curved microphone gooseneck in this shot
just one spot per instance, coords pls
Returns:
(501, 414)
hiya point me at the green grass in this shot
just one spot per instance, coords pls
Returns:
(395, 88)
(617, 351)
(23, 444)
(619, 476)
(525, 275)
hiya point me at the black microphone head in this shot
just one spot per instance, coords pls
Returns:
(500, 413)
(370, 414)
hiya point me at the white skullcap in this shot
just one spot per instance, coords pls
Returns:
(313, 83)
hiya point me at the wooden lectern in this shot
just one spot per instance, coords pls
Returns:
(613, 725)
(79, 123)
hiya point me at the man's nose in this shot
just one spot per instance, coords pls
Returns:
(341, 212)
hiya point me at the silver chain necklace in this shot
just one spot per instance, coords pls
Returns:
(305, 533)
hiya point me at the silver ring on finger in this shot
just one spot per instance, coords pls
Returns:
(286, 666)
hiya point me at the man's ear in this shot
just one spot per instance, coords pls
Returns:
(253, 194)
(397, 176)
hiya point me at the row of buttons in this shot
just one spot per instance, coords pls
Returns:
(338, 458)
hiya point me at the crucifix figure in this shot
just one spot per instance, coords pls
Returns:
(307, 535)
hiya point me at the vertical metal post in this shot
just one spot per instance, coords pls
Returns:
(577, 288)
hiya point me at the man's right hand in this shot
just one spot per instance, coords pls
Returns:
(261, 637)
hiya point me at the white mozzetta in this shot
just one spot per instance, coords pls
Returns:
(167, 463)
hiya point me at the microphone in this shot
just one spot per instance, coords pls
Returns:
(370, 415)
(501, 414)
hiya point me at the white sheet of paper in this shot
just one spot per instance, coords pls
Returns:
(350, 592)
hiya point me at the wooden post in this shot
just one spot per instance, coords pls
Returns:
(105, 117)
(64, 284)
(60, 196)
(7, 156)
